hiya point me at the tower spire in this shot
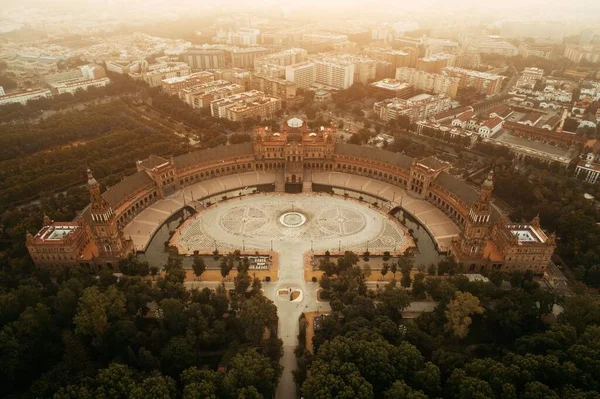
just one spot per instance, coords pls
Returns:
(93, 187)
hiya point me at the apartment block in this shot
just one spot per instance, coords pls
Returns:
(172, 86)
(397, 58)
(534, 50)
(392, 88)
(484, 83)
(202, 95)
(429, 82)
(276, 87)
(204, 58)
(249, 104)
(74, 85)
(24, 96)
(417, 108)
(578, 53)
(155, 74)
(284, 58)
(303, 74)
(336, 73)
(436, 62)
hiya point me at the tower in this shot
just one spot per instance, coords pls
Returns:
(473, 238)
(103, 222)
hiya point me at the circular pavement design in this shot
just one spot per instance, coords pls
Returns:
(292, 219)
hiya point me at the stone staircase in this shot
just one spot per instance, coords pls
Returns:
(280, 181)
(307, 181)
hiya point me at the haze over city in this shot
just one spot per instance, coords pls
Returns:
(299, 199)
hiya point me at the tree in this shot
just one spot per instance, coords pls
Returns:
(96, 311)
(199, 266)
(256, 315)
(242, 282)
(333, 380)
(458, 311)
(157, 387)
(393, 300)
(250, 369)
(405, 268)
(384, 269)
(400, 390)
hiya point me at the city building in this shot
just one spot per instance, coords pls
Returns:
(275, 87)
(329, 38)
(270, 70)
(22, 97)
(530, 76)
(73, 85)
(202, 95)
(484, 83)
(249, 104)
(172, 86)
(429, 82)
(284, 58)
(535, 50)
(235, 75)
(578, 53)
(156, 73)
(435, 63)
(588, 170)
(303, 74)
(397, 58)
(61, 244)
(392, 88)
(491, 45)
(124, 67)
(417, 108)
(490, 127)
(2, 91)
(346, 47)
(205, 58)
(336, 73)
(244, 57)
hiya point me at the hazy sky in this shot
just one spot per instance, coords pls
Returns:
(585, 10)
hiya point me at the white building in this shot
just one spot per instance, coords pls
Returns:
(335, 73)
(417, 108)
(490, 127)
(72, 86)
(303, 74)
(2, 91)
(24, 96)
(429, 82)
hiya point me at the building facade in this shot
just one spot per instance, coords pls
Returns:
(417, 108)
(303, 74)
(429, 82)
(485, 83)
(487, 240)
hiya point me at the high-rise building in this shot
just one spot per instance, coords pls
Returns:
(484, 83)
(417, 108)
(429, 82)
(244, 57)
(303, 74)
(336, 73)
(235, 75)
(249, 104)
